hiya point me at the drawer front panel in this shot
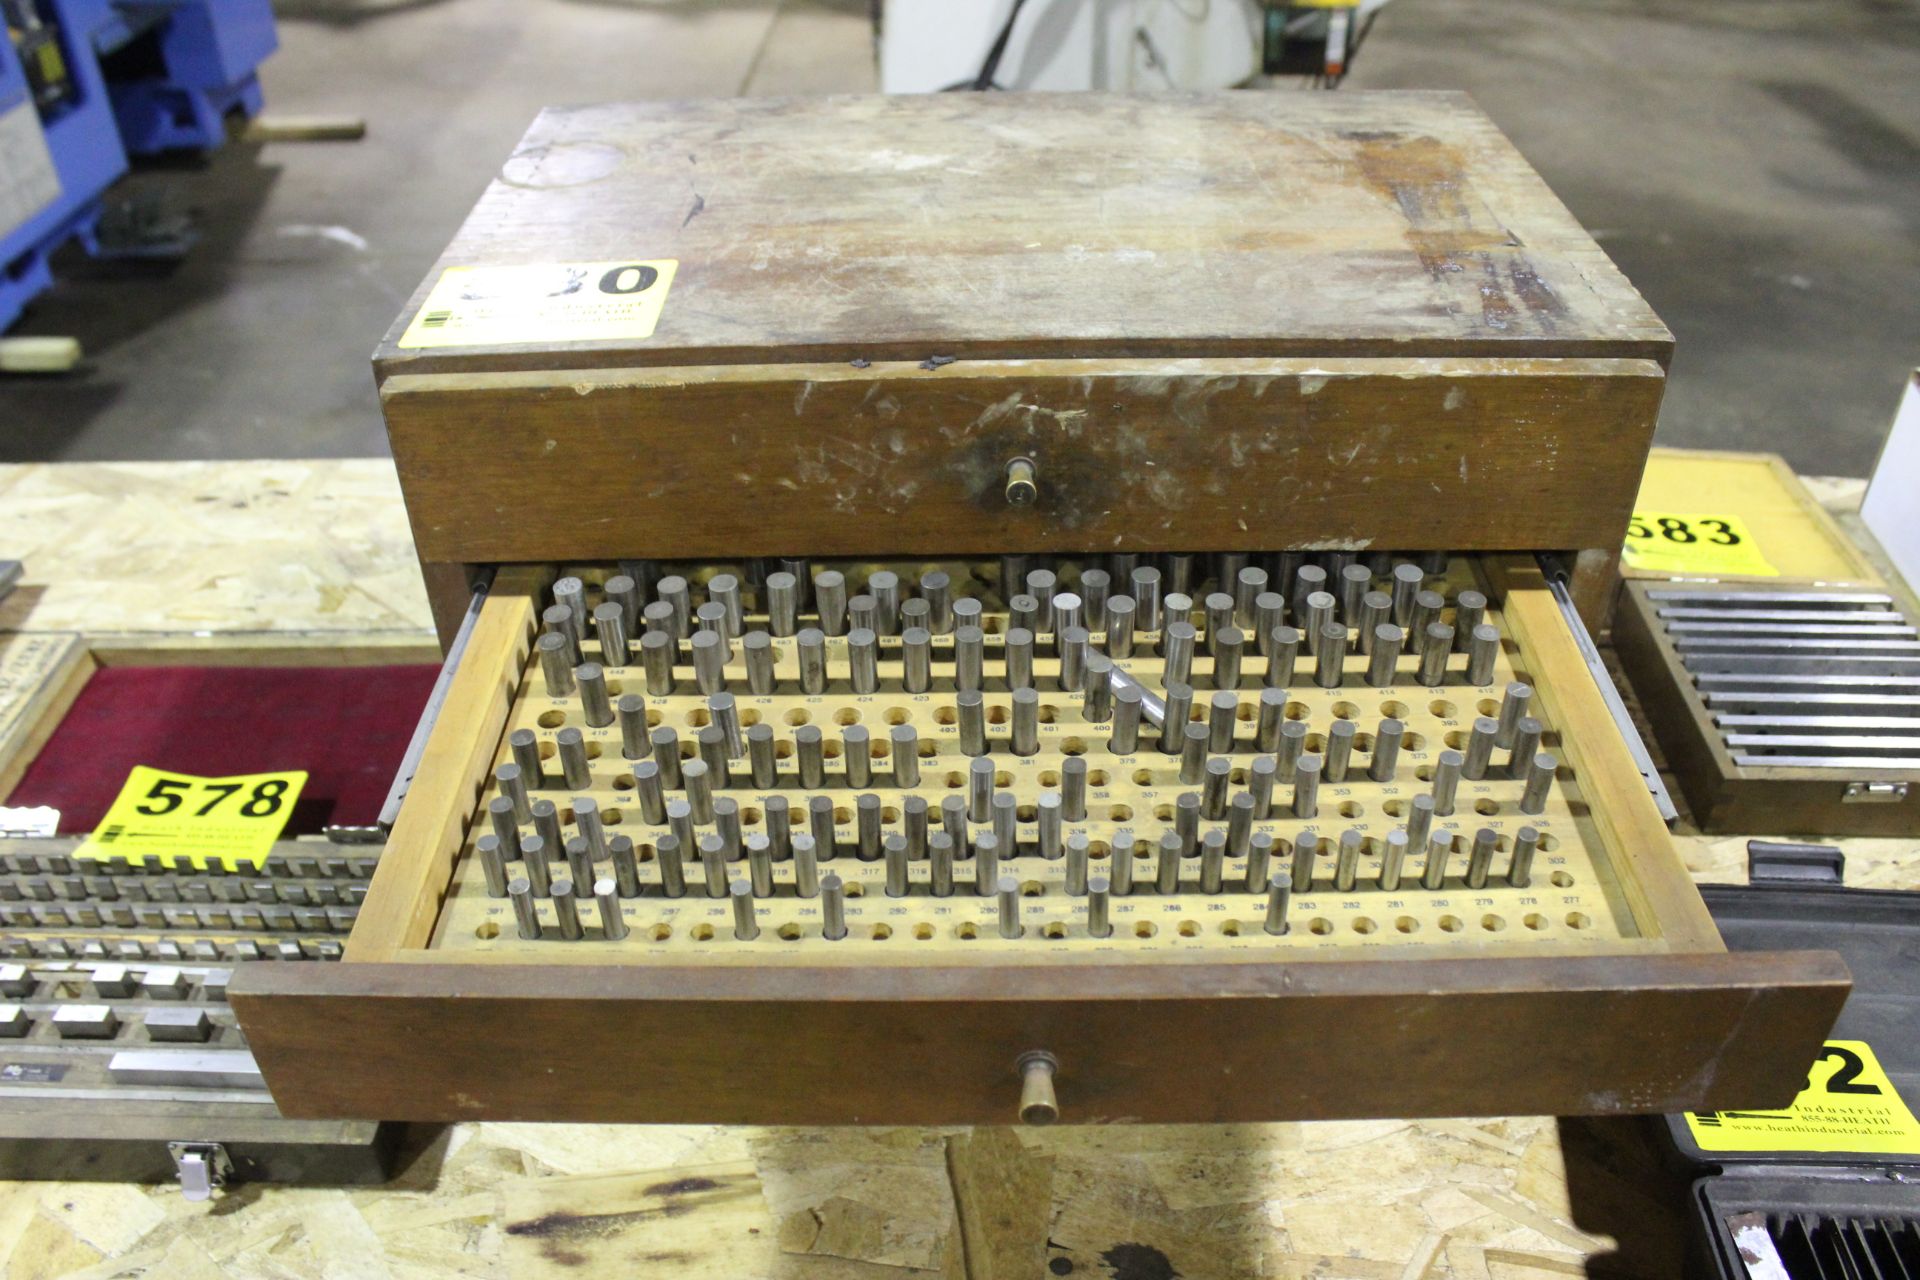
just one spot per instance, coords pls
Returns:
(1154, 1045)
(1169, 455)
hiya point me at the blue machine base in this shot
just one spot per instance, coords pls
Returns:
(30, 273)
(156, 116)
(175, 93)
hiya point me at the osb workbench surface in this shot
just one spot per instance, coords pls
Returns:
(144, 548)
(322, 547)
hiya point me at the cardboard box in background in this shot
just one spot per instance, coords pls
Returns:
(1892, 506)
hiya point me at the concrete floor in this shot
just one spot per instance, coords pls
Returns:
(1755, 168)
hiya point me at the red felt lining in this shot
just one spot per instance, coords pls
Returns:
(346, 726)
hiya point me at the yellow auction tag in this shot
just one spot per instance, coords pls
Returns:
(210, 821)
(542, 302)
(1848, 1105)
(1685, 543)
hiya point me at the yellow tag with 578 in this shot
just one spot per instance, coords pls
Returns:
(228, 822)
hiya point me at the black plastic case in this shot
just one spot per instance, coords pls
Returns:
(1824, 1214)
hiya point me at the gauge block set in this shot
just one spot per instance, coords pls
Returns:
(120, 1057)
(1781, 706)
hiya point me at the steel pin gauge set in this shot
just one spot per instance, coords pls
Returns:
(948, 756)
(886, 806)
(1177, 704)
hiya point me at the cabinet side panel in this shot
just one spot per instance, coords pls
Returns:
(404, 896)
(1652, 875)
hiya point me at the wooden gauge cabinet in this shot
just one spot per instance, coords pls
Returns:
(929, 336)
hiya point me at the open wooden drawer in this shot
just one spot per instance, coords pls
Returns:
(1597, 985)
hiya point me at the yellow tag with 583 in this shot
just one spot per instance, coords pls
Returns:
(1688, 543)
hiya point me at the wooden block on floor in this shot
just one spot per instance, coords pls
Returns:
(39, 355)
(305, 129)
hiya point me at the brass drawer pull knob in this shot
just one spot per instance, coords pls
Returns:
(1038, 1105)
(1022, 485)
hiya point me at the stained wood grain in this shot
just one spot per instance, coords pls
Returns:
(1162, 455)
(1201, 1043)
(1081, 225)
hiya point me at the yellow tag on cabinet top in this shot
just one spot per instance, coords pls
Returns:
(1848, 1105)
(542, 302)
(1688, 544)
(224, 822)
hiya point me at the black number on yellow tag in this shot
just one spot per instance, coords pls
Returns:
(1682, 532)
(1725, 536)
(1846, 1079)
(636, 278)
(266, 798)
(166, 795)
(220, 790)
(1674, 529)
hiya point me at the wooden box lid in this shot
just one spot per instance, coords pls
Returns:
(1006, 226)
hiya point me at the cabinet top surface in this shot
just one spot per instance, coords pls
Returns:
(1009, 225)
